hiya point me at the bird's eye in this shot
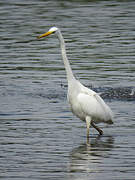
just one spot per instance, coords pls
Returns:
(53, 32)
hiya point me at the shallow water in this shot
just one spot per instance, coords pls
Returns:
(39, 136)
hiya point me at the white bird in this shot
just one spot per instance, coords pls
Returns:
(85, 103)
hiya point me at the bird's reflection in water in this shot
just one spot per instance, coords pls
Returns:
(88, 157)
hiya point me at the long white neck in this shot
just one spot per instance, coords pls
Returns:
(68, 69)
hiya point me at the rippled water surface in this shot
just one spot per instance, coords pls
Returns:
(39, 136)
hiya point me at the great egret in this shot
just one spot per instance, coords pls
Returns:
(85, 103)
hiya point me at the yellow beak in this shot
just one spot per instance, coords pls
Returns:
(45, 34)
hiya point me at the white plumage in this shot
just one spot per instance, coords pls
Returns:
(85, 103)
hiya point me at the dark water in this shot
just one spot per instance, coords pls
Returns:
(39, 136)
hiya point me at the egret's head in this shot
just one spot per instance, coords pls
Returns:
(51, 30)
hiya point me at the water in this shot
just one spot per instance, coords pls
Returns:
(39, 136)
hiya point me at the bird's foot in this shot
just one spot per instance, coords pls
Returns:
(97, 128)
(100, 131)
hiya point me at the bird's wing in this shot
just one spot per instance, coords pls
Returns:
(105, 107)
(93, 105)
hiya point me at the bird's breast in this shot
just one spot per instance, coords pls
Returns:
(76, 108)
